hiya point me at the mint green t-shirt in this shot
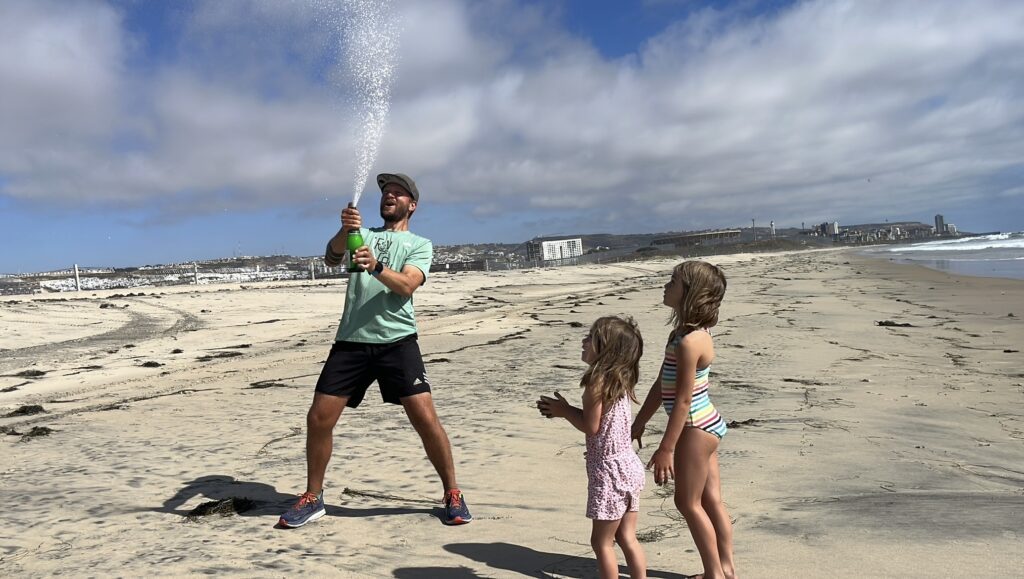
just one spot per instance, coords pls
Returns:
(373, 313)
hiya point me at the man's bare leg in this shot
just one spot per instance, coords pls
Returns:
(423, 417)
(323, 415)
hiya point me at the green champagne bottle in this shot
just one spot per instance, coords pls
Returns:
(353, 242)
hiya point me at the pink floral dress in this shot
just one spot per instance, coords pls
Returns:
(615, 475)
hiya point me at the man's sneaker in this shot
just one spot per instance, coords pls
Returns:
(309, 508)
(455, 510)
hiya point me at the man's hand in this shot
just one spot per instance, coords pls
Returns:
(557, 407)
(350, 219)
(364, 259)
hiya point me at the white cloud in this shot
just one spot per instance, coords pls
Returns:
(819, 110)
(61, 74)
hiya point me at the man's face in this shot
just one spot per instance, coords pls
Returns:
(396, 203)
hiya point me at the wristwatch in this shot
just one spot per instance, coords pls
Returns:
(375, 272)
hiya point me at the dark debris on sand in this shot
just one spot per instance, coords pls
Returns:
(224, 507)
(151, 364)
(30, 374)
(259, 385)
(653, 535)
(36, 432)
(209, 357)
(740, 423)
(892, 324)
(27, 410)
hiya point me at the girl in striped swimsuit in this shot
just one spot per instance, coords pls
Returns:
(689, 446)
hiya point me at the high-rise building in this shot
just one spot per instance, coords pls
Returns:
(940, 225)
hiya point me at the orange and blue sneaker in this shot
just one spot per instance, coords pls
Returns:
(309, 508)
(455, 510)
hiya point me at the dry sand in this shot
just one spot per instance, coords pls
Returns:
(863, 451)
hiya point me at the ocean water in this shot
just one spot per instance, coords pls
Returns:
(995, 255)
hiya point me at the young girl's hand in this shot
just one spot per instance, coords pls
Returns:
(636, 432)
(662, 464)
(556, 407)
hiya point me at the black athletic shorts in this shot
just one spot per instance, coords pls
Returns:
(352, 366)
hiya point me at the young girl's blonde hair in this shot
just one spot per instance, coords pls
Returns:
(618, 347)
(703, 290)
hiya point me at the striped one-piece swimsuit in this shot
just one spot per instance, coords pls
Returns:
(702, 412)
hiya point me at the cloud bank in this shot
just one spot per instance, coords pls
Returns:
(813, 111)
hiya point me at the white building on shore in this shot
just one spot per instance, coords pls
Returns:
(555, 249)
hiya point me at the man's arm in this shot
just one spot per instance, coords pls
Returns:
(415, 269)
(331, 257)
(403, 283)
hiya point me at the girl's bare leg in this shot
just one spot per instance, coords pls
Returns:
(602, 539)
(711, 500)
(692, 463)
(626, 538)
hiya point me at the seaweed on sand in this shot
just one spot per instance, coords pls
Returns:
(224, 507)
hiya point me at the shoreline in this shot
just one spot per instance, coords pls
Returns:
(993, 255)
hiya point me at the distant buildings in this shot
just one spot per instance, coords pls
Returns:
(554, 249)
(943, 228)
(702, 238)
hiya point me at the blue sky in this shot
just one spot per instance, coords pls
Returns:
(139, 132)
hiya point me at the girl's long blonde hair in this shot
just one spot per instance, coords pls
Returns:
(618, 347)
(703, 290)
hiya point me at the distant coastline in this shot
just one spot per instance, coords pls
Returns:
(943, 253)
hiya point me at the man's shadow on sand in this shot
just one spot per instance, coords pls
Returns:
(266, 500)
(518, 559)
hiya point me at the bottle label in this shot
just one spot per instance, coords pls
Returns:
(354, 242)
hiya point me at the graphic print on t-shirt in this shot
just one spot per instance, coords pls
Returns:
(382, 250)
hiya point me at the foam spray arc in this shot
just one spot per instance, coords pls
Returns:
(370, 33)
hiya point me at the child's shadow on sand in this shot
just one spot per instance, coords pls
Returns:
(266, 500)
(519, 559)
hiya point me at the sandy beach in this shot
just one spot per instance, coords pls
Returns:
(855, 449)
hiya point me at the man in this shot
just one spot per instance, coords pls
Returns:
(377, 342)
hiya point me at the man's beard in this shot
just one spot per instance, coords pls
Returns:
(399, 214)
